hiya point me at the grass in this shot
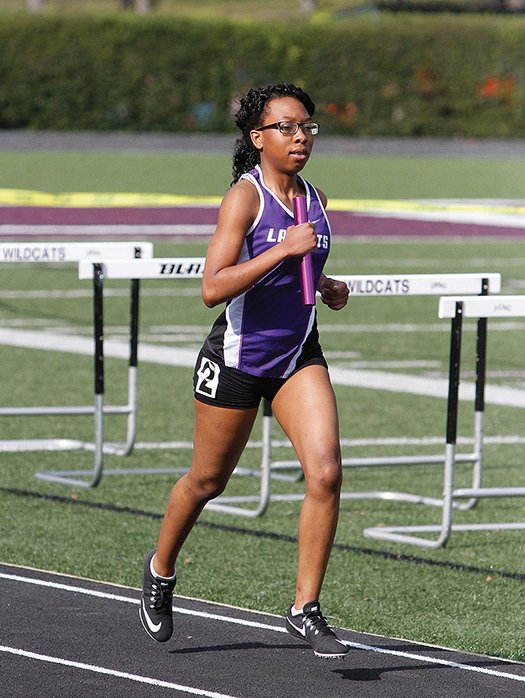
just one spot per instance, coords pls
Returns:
(272, 10)
(465, 595)
(204, 9)
(460, 596)
(341, 177)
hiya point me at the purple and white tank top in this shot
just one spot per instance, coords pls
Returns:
(263, 330)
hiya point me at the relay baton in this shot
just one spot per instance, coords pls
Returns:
(307, 280)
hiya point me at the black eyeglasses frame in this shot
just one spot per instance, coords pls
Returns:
(309, 128)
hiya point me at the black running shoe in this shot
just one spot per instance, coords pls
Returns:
(312, 627)
(155, 606)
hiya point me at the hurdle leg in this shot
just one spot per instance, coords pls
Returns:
(68, 477)
(275, 465)
(126, 448)
(479, 404)
(283, 464)
(405, 534)
(479, 416)
(133, 366)
(230, 505)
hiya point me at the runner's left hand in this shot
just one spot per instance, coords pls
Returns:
(334, 293)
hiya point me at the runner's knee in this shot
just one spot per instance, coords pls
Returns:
(324, 478)
(207, 487)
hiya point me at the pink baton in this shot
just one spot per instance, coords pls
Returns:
(307, 280)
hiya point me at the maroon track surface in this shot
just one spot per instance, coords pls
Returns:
(344, 223)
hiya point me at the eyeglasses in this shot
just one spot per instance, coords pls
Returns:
(290, 128)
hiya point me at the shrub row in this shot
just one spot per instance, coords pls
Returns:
(399, 75)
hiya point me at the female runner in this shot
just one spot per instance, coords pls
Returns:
(264, 344)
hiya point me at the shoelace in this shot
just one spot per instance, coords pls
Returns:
(161, 594)
(315, 620)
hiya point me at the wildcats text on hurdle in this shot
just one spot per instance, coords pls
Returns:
(31, 254)
(182, 269)
(379, 286)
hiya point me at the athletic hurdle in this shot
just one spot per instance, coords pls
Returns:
(384, 285)
(74, 252)
(477, 284)
(139, 269)
(457, 308)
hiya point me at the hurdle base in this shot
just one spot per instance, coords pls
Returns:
(403, 534)
(34, 445)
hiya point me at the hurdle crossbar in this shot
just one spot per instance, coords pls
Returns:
(62, 252)
(456, 308)
(46, 252)
(154, 268)
(420, 284)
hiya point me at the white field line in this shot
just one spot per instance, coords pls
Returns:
(266, 626)
(504, 220)
(113, 348)
(503, 326)
(113, 672)
(173, 356)
(403, 328)
(383, 364)
(106, 231)
(39, 294)
(428, 387)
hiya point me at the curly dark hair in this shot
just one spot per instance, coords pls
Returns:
(249, 116)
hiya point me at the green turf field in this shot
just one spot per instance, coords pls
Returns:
(272, 10)
(469, 595)
(341, 177)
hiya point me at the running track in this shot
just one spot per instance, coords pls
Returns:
(65, 636)
(49, 222)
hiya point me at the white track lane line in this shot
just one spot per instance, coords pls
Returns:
(114, 673)
(275, 628)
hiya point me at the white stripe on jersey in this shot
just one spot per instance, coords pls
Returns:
(293, 362)
(232, 333)
(234, 315)
(251, 178)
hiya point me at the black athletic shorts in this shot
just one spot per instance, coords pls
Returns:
(217, 384)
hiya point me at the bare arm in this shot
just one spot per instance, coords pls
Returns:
(223, 278)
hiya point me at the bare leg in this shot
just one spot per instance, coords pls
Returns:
(306, 410)
(220, 436)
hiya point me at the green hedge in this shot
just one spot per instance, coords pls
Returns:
(399, 75)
